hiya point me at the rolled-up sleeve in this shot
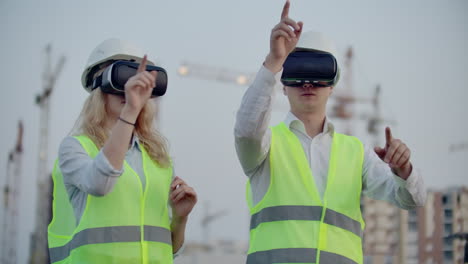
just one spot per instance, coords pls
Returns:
(94, 176)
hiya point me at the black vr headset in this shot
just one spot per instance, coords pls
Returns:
(317, 68)
(114, 77)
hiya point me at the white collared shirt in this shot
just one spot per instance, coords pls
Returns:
(252, 138)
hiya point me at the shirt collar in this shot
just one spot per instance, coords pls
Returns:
(292, 121)
(135, 142)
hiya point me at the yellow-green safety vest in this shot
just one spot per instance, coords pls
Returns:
(127, 225)
(292, 224)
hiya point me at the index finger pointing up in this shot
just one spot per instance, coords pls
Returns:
(142, 66)
(388, 135)
(285, 12)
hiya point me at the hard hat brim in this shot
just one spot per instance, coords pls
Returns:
(85, 76)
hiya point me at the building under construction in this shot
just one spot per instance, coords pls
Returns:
(435, 233)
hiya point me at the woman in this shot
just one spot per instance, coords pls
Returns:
(115, 197)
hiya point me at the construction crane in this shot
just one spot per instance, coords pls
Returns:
(214, 73)
(343, 99)
(39, 250)
(11, 196)
(375, 118)
(208, 218)
(342, 102)
(461, 146)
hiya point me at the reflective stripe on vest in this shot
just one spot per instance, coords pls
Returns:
(292, 223)
(296, 255)
(109, 235)
(310, 213)
(103, 234)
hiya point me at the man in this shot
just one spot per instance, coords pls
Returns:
(305, 179)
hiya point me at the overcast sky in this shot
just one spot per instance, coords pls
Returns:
(416, 50)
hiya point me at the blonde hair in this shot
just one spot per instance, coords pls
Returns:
(92, 121)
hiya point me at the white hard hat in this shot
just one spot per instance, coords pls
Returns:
(312, 40)
(316, 41)
(110, 50)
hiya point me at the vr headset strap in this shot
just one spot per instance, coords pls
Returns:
(97, 82)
